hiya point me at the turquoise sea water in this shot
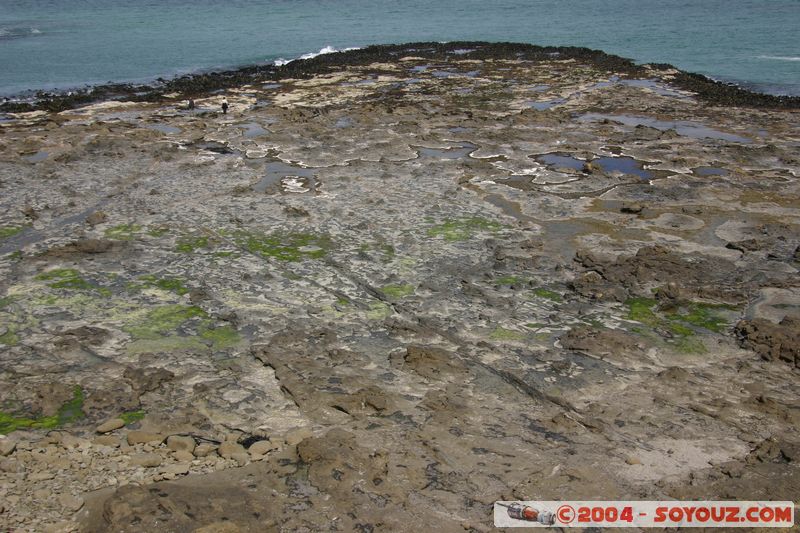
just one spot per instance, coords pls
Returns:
(47, 44)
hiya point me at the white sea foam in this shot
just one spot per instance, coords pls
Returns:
(781, 58)
(326, 50)
(18, 32)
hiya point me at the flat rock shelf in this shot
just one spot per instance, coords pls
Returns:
(388, 290)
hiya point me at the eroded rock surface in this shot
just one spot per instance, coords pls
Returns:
(385, 295)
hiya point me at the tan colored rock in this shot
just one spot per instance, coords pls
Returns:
(241, 458)
(228, 448)
(179, 443)
(70, 502)
(7, 446)
(176, 469)
(148, 460)
(183, 456)
(261, 447)
(60, 527)
(296, 436)
(633, 461)
(98, 217)
(40, 476)
(42, 494)
(11, 466)
(205, 449)
(110, 425)
(71, 441)
(107, 440)
(144, 437)
(219, 527)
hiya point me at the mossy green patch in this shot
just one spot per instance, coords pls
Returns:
(166, 344)
(680, 323)
(167, 284)
(689, 345)
(706, 316)
(10, 337)
(123, 232)
(191, 243)
(226, 254)
(378, 311)
(285, 246)
(508, 280)
(10, 231)
(397, 291)
(641, 310)
(6, 301)
(132, 416)
(70, 412)
(157, 231)
(547, 294)
(387, 250)
(503, 334)
(163, 320)
(221, 337)
(15, 256)
(463, 229)
(69, 278)
(679, 329)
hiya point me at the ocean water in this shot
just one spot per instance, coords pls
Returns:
(62, 44)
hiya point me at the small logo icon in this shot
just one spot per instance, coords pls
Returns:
(517, 511)
(565, 514)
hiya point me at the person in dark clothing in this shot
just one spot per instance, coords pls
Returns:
(225, 106)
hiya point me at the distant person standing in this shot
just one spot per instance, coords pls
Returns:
(225, 106)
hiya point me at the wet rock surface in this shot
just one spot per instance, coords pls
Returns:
(375, 307)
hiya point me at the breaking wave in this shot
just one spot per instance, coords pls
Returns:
(781, 58)
(18, 32)
(325, 50)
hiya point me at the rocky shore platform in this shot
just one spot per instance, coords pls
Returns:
(392, 286)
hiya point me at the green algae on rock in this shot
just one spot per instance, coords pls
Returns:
(547, 294)
(508, 280)
(505, 334)
(69, 278)
(641, 310)
(221, 337)
(702, 315)
(680, 325)
(10, 337)
(68, 413)
(130, 417)
(397, 291)
(288, 246)
(162, 320)
(10, 231)
(123, 232)
(190, 244)
(175, 285)
(462, 229)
